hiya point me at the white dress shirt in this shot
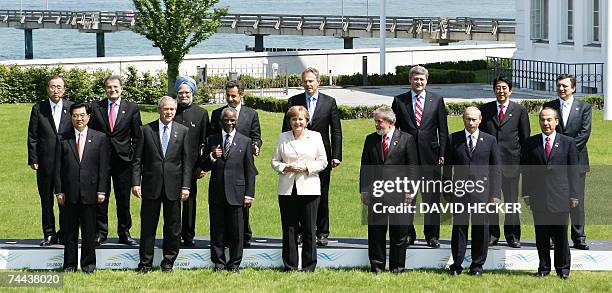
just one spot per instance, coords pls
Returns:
(552, 140)
(505, 107)
(474, 137)
(414, 99)
(311, 107)
(56, 111)
(566, 108)
(83, 139)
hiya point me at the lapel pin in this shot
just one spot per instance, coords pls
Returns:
(193, 124)
(481, 139)
(556, 145)
(510, 114)
(576, 109)
(65, 110)
(89, 141)
(123, 112)
(395, 143)
(174, 135)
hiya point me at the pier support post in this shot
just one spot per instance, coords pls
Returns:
(100, 44)
(29, 48)
(348, 42)
(259, 42)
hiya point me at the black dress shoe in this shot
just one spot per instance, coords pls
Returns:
(234, 270)
(476, 273)
(409, 241)
(322, 241)
(246, 244)
(564, 276)
(48, 240)
(69, 270)
(541, 274)
(514, 244)
(127, 240)
(89, 271)
(493, 241)
(187, 243)
(454, 273)
(433, 243)
(100, 240)
(166, 269)
(581, 246)
(143, 270)
(217, 269)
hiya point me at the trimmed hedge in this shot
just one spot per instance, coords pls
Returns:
(472, 65)
(357, 112)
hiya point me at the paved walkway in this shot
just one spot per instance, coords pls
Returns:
(379, 95)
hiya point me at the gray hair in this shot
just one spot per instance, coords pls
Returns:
(165, 99)
(386, 112)
(418, 70)
(313, 71)
(230, 110)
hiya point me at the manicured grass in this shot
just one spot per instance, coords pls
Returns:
(20, 214)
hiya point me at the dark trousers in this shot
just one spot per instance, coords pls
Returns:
(149, 217)
(459, 240)
(189, 212)
(323, 206)
(377, 251)
(47, 201)
(248, 233)
(294, 210)
(121, 174)
(226, 230)
(577, 214)
(83, 216)
(512, 221)
(431, 220)
(558, 233)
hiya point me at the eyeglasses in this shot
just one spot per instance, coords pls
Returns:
(82, 115)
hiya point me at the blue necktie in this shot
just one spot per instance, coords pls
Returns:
(165, 140)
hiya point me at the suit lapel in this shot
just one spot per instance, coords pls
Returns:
(46, 109)
(540, 149)
(72, 144)
(493, 111)
(426, 108)
(104, 110)
(572, 108)
(393, 142)
(411, 116)
(554, 148)
(65, 120)
(242, 119)
(379, 150)
(233, 145)
(155, 128)
(317, 111)
(86, 144)
(464, 142)
(120, 112)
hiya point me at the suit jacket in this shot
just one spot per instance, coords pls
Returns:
(483, 165)
(81, 182)
(432, 135)
(578, 127)
(248, 123)
(196, 120)
(551, 183)
(43, 137)
(326, 121)
(510, 134)
(125, 135)
(309, 152)
(152, 171)
(402, 153)
(231, 178)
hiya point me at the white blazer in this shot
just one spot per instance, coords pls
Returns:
(306, 152)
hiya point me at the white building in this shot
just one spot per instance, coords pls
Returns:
(559, 36)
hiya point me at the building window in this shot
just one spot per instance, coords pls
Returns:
(596, 31)
(539, 19)
(570, 20)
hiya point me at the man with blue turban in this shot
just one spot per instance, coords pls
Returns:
(196, 119)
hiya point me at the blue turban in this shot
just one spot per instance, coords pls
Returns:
(181, 80)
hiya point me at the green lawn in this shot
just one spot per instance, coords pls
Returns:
(20, 214)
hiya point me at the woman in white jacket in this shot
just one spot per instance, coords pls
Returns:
(298, 158)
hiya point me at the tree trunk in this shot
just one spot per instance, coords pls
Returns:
(173, 70)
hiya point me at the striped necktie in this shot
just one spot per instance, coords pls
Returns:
(418, 110)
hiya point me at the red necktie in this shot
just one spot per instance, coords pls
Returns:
(547, 148)
(111, 117)
(385, 146)
(501, 113)
(418, 111)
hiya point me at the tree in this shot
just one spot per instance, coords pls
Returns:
(176, 26)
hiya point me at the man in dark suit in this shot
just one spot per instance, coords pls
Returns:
(550, 187)
(472, 156)
(508, 122)
(325, 119)
(387, 152)
(423, 115)
(120, 121)
(162, 173)
(49, 120)
(247, 125)
(232, 186)
(196, 119)
(81, 173)
(575, 122)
